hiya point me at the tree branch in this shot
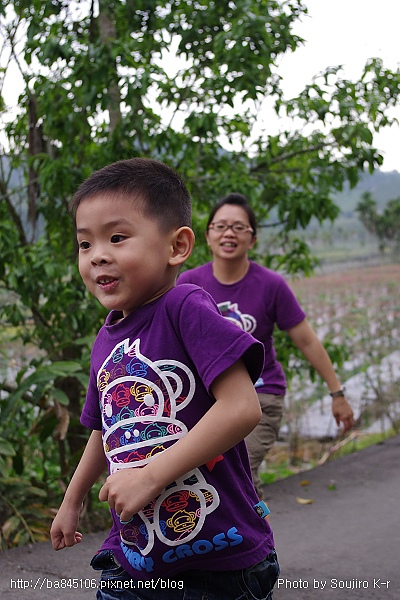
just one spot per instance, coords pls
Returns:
(9, 389)
(290, 155)
(13, 213)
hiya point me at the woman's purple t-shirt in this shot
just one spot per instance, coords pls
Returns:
(150, 382)
(255, 303)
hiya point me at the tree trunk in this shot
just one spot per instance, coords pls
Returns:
(108, 34)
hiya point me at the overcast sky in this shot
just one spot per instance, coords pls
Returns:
(348, 32)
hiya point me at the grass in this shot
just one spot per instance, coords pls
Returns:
(279, 464)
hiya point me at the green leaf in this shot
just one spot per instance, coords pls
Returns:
(6, 449)
(59, 395)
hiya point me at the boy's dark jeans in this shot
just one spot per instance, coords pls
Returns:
(252, 583)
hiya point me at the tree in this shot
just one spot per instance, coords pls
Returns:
(182, 82)
(385, 224)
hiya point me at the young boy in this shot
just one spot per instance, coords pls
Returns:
(170, 400)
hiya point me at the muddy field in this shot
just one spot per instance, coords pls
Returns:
(360, 307)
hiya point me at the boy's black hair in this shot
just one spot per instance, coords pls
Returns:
(161, 192)
(237, 200)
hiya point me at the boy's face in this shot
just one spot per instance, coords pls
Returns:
(123, 255)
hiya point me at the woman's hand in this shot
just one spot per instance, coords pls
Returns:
(342, 412)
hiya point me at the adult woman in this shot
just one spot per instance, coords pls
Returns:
(256, 299)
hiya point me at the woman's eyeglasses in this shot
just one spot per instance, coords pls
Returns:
(221, 226)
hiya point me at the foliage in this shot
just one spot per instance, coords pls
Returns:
(24, 516)
(182, 82)
(295, 363)
(384, 224)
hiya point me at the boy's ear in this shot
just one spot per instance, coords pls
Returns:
(182, 246)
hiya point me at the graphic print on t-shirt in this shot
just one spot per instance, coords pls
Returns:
(140, 400)
(230, 310)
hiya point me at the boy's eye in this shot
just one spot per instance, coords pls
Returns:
(117, 238)
(84, 245)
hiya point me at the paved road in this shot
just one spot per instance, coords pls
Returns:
(349, 536)
(343, 546)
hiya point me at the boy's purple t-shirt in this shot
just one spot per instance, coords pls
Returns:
(255, 303)
(150, 382)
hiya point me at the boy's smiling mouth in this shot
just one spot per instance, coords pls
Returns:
(106, 282)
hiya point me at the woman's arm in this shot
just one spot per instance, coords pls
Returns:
(92, 464)
(235, 413)
(306, 340)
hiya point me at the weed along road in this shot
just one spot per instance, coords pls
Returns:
(342, 545)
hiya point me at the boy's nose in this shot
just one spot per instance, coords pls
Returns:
(102, 261)
(100, 257)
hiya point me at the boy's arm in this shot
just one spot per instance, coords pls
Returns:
(92, 464)
(235, 413)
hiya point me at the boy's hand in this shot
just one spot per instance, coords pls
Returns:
(127, 491)
(59, 541)
(63, 530)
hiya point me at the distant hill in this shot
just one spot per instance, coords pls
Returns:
(383, 186)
